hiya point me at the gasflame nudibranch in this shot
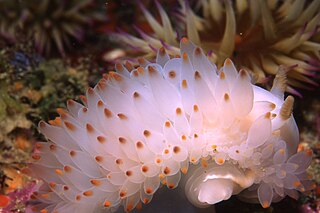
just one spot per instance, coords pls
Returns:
(142, 128)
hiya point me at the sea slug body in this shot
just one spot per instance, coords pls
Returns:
(140, 128)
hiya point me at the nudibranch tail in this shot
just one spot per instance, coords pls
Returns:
(143, 127)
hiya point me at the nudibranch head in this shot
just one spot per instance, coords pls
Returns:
(140, 128)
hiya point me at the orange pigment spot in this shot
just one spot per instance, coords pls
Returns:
(184, 40)
(140, 70)
(171, 185)
(265, 204)
(122, 116)
(184, 84)
(176, 149)
(149, 190)
(67, 168)
(58, 172)
(115, 76)
(78, 197)
(52, 147)
(128, 173)
(204, 163)
(70, 126)
(158, 161)
(36, 157)
(178, 111)
(101, 139)
(56, 121)
(99, 158)
(65, 188)
(129, 207)
(61, 111)
(166, 171)
(161, 176)
(136, 95)
(297, 183)
(195, 108)
(88, 193)
(139, 145)
(32, 197)
(119, 161)
(52, 184)
(184, 170)
(167, 124)
(166, 151)
(129, 66)
(152, 70)
(193, 160)
(46, 196)
(268, 115)
(226, 97)
(38, 145)
(162, 51)
(42, 124)
(100, 103)
(122, 140)
(183, 137)
(228, 61)
(84, 109)
(145, 200)
(185, 56)
(107, 113)
(43, 211)
(135, 73)
(146, 133)
(119, 67)
(122, 194)
(141, 60)
(172, 74)
(139, 206)
(220, 161)
(83, 99)
(309, 152)
(105, 76)
(197, 75)
(107, 203)
(90, 91)
(89, 128)
(144, 168)
(95, 182)
(222, 76)
(197, 51)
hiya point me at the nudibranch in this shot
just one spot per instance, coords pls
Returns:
(179, 118)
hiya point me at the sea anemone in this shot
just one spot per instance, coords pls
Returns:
(257, 35)
(142, 128)
(51, 24)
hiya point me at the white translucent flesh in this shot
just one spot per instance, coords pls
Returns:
(141, 128)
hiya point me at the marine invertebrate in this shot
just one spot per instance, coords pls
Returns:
(256, 35)
(143, 127)
(51, 24)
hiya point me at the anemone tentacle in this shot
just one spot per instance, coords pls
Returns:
(257, 35)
